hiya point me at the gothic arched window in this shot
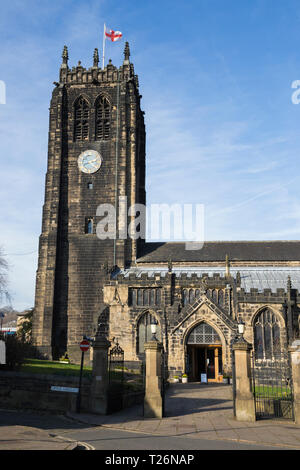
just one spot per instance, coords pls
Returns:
(266, 335)
(102, 114)
(144, 333)
(81, 119)
(203, 334)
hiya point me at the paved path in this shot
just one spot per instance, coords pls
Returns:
(200, 411)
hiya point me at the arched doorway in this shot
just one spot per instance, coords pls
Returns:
(204, 354)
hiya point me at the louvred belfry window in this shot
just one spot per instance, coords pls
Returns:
(81, 115)
(102, 119)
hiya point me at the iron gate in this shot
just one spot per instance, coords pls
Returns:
(233, 383)
(143, 374)
(163, 380)
(116, 378)
(273, 387)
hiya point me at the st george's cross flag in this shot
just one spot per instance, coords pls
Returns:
(112, 35)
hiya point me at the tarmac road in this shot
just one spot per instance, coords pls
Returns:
(23, 430)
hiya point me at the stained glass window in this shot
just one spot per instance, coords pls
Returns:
(203, 334)
(266, 335)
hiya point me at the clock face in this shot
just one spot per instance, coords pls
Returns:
(89, 161)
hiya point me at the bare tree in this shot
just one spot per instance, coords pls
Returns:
(3, 277)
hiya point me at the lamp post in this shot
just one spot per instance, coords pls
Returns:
(154, 329)
(241, 327)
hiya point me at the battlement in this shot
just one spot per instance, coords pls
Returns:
(95, 75)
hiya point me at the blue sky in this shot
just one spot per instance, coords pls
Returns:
(216, 79)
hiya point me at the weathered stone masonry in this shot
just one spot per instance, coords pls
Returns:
(83, 281)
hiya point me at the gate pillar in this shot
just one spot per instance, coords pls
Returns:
(153, 402)
(295, 364)
(244, 399)
(99, 386)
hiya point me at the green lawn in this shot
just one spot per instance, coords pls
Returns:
(133, 382)
(272, 392)
(36, 366)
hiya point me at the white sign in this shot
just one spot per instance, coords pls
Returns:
(204, 378)
(64, 389)
(2, 352)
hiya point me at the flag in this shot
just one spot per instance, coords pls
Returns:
(113, 35)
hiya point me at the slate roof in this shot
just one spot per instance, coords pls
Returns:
(251, 277)
(217, 251)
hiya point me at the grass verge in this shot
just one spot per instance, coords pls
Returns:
(37, 366)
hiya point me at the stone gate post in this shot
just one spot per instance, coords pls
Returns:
(295, 364)
(244, 399)
(153, 402)
(99, 386)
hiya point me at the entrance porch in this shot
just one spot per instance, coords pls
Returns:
(204, 354)
(205, 363)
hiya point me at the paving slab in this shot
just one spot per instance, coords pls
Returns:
(205, 412)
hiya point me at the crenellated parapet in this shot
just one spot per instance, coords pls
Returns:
(267, 295)
(78, 75)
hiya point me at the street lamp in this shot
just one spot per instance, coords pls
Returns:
(241, 327)
(154, 329)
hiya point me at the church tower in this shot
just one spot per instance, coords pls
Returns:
(96, 156)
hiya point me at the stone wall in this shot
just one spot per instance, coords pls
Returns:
(24, 391)
(20, 390)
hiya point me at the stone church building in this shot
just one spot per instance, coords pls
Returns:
(96, 155)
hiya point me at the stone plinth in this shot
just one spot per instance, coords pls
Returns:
(99, 386)
(295, 364)
(244, 399)
(153, 402)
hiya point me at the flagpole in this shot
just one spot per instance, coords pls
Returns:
(103, 48)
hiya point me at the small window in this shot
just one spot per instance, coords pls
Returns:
(89, 225)
(90, 185)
